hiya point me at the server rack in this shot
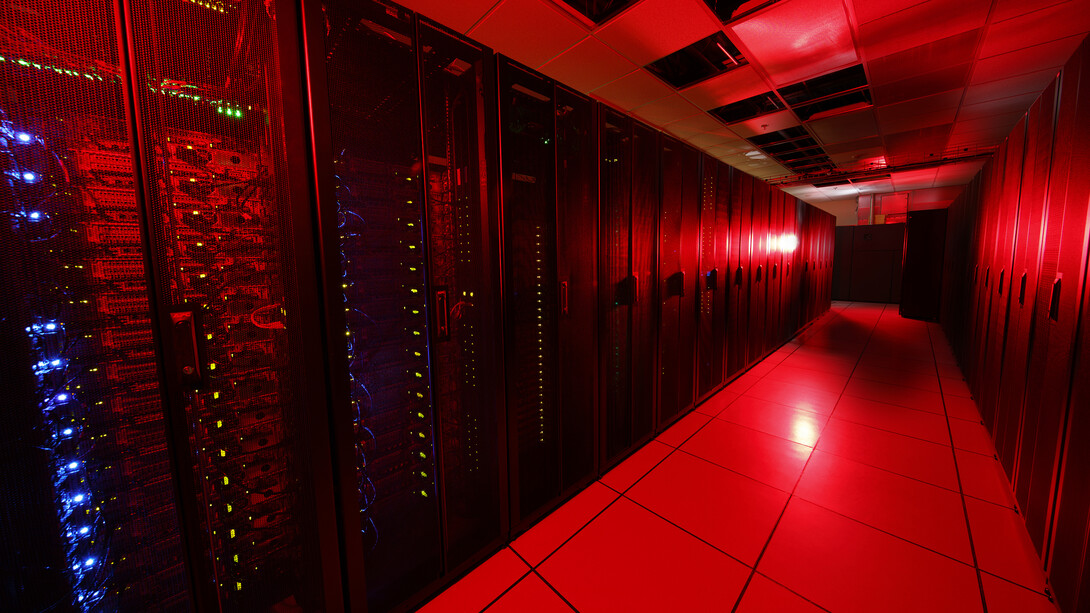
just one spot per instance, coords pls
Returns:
(1064, 249)
(629, 176)
(166, 303)
(679, 242)
(577, 224)
(91, 515)
(711, 340)
(532, 299)
(401, 107)
(738, 282)
(1024, 278)
(774, 278)
(721, 272)
(758, 294)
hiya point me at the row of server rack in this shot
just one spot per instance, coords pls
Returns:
(1019, 319)
(311, 307)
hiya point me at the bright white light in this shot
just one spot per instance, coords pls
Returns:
(788, 243)
(23, 137)
(67, 432)
(30, 177)
(56, 362)
(84, 530)
(35, 215)
(89, 562)
(77, 498)
(51, 326)
(73, 465)
(62, 397)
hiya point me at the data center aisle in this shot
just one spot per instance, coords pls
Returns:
(849, 471)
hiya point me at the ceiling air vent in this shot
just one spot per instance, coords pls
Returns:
(748, 108)
(599, 11)
(795, 149)
(701, 60)
(729, 10)
(840, 90)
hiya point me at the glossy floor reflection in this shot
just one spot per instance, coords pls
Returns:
(846, 472)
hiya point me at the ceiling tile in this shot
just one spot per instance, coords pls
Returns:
(995, 124)
(705, 140)
(976, 141)
(665, 110)
(505, 31)
(878, 186)
(634, 89)
(869, 10)
(924, 112)
(733, 86)
(1047, 24)
(653, 29)
(732, 147)
(922, 59)
(944, 79)
(959, 173)
(1034, 82)
(919, 24)
(1006, 9)
(799, 39)
(914, 179)
(1031, 59)
(765, 123)
(1003, 106)
(857, 158)
(588, 65)
(701, 123)
(459, 16)
(845, 127)
(865, 143)
(917, 145)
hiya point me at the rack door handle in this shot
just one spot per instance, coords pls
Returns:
(184, 332)
(1022, 291)
(442, 313)
(1054, 303)
(738, 275)
(563, 297)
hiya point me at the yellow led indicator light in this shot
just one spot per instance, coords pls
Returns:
(226, 481)
(232, 533)
(219, 423)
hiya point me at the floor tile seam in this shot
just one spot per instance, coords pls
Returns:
(1009, 507)
(897, 385)
(767, 578)
(887, 470)
(533, 571)
(918, 438)
(812, 387)
(576, 531)
(961, 489)
(751, 428)
(846, 393)
(890, 404)
(528, 572)
(735, 471)
(686, 531)
(863, 377)
(885, 531)
(1013, 582)
(777, 403)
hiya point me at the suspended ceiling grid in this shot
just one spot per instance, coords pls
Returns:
(945, 79)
